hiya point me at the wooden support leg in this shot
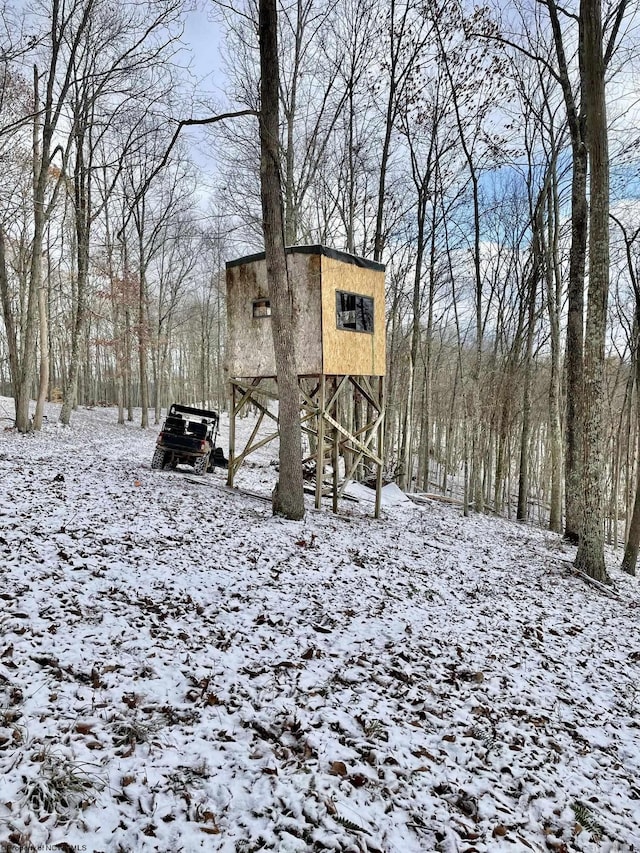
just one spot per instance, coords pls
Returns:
(232, 436)
(380, 449)
(364, 440)
(335, 461)
(320, 447)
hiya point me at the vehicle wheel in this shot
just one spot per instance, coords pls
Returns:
(158, 458)
(201, 464)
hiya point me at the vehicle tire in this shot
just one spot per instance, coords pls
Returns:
(158, 458)
(201, 464)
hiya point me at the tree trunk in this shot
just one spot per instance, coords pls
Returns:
(576, 116)
(525, 438)
(82, 212)
(552, 278)
(590, 556)
(128, 390)
(288, 495)
(632, 546)
(43, 385)
(575, 346)
(25, 369)
(407, 461)
(12, 341)
(143, 339)
(632, 531)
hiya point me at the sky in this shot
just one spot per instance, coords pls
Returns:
(203, 35)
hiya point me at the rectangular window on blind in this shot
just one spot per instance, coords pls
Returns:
(261, 308)
(354, 312)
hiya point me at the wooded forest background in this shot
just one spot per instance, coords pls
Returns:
(448, 141)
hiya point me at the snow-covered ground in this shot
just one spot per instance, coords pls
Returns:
(180, 671)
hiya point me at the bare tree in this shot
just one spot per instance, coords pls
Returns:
(585, 104)
(173, 270)
(632, 545)
(67, 26)
(153, 207)
(422, 122)
(407, 32)
(590, 556)
(288, 496)
(116, 54)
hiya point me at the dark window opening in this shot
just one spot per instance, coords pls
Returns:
(261, 308)
(354, 312)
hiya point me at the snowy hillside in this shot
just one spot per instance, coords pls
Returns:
(179, 671)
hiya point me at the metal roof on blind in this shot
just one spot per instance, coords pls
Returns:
(345, 257)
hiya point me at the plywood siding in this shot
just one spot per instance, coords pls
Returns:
(250, 343)
(345, 351)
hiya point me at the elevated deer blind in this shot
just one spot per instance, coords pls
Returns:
(340, 354)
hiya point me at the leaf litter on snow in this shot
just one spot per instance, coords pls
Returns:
(180, 671)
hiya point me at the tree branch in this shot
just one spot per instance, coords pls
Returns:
(188, 122)
(611, 44)
(185, 122)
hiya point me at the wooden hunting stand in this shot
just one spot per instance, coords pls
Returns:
(340, 352)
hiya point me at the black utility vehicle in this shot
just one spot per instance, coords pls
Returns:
(188, 437)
